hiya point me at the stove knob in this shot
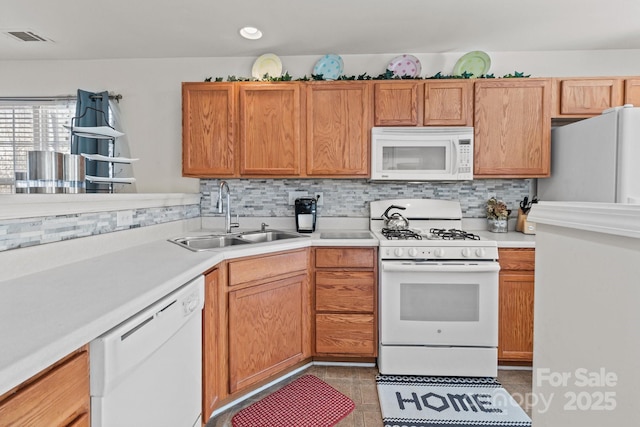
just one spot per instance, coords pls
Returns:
(466, 252)
(413, 252)
(398, 252)
(439, 252)
(480, 253)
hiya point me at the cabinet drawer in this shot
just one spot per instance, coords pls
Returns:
(56, 397)
(517, 259)
(345, 257)
(265, 267)
(348, 291)
(345, 334)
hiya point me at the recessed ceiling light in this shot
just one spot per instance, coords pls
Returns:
(251, 33)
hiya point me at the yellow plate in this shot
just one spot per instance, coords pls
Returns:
(267, 64)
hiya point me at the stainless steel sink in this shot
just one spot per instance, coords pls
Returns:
(204, 243)
(208, 242)
(346, 235)
(267, 236)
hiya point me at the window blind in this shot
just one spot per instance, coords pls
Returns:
(31, 125)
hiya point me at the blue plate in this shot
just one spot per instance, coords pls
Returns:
(330, 66)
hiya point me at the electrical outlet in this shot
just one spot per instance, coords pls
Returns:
(319, 197)
(293, 195)
(124, 218)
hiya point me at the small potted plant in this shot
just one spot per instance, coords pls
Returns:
(497, 215)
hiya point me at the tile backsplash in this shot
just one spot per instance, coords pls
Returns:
(24, 232)
(350, 197)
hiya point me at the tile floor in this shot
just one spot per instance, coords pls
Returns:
(360, 385)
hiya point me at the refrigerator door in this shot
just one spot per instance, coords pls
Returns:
(628, 156)
(583, 161)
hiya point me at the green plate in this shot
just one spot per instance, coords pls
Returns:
(476, 63)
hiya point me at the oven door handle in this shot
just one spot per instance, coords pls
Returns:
(448, 268)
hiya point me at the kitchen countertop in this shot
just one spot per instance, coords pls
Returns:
(46, 315)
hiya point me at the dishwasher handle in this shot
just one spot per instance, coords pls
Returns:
(120, 350)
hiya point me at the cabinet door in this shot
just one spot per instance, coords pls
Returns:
(586, 97)
(338, 129)
(515, 335)
(512, 134)
(270, 132)
(632, 92)
(267, 330)
(208, 130)
(397, 103)
(448, 103)
(212, 353)
(57, 397)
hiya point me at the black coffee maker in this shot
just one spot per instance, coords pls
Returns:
(306, 215)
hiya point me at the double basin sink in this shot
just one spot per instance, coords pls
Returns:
(216, 241)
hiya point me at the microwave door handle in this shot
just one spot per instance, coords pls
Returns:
(454, 157)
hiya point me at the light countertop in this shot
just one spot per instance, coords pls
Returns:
(48, 314)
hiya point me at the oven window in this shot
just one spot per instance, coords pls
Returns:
(414, 158)
(440, 302)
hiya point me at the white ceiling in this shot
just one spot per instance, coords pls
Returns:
(90, 29)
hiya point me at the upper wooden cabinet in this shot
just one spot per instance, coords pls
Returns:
(398, 103)
(417, 103)
(586, 97)
(338, 129)
(270, 134)
(512, 128)
(448, 103)
(632, 92)
(208, 130)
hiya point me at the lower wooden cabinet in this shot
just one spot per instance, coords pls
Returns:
(256, 323)
(345, 302)
(56, 397)
(516, 295)
(266, 330)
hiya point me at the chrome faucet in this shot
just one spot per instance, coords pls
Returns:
(227, 219)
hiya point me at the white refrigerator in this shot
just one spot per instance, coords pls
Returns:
(596, 159)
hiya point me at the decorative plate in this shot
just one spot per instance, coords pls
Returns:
(267, 64)
(405, 66)
(329, 66)
(476, 63)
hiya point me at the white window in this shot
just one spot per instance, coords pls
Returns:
(31, 125)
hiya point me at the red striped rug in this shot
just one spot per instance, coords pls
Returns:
(305, 402)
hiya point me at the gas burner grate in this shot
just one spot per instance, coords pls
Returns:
(453, 234)
(404, 234)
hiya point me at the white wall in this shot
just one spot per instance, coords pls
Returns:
(151, 104)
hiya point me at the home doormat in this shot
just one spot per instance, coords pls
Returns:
(305, 402)
(414, 401)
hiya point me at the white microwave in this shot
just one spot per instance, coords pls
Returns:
(422, 153)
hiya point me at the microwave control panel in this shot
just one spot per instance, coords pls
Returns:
(465, 154)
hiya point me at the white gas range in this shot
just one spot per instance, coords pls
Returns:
(438, 291)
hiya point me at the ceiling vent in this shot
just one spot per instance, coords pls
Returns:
(27, 36)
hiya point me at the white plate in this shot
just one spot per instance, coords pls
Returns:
(405, 66)
(330, 66)
(267, 64)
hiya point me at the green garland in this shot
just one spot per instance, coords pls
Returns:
(387, 75)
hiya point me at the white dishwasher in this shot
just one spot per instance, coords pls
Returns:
(147, 371)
